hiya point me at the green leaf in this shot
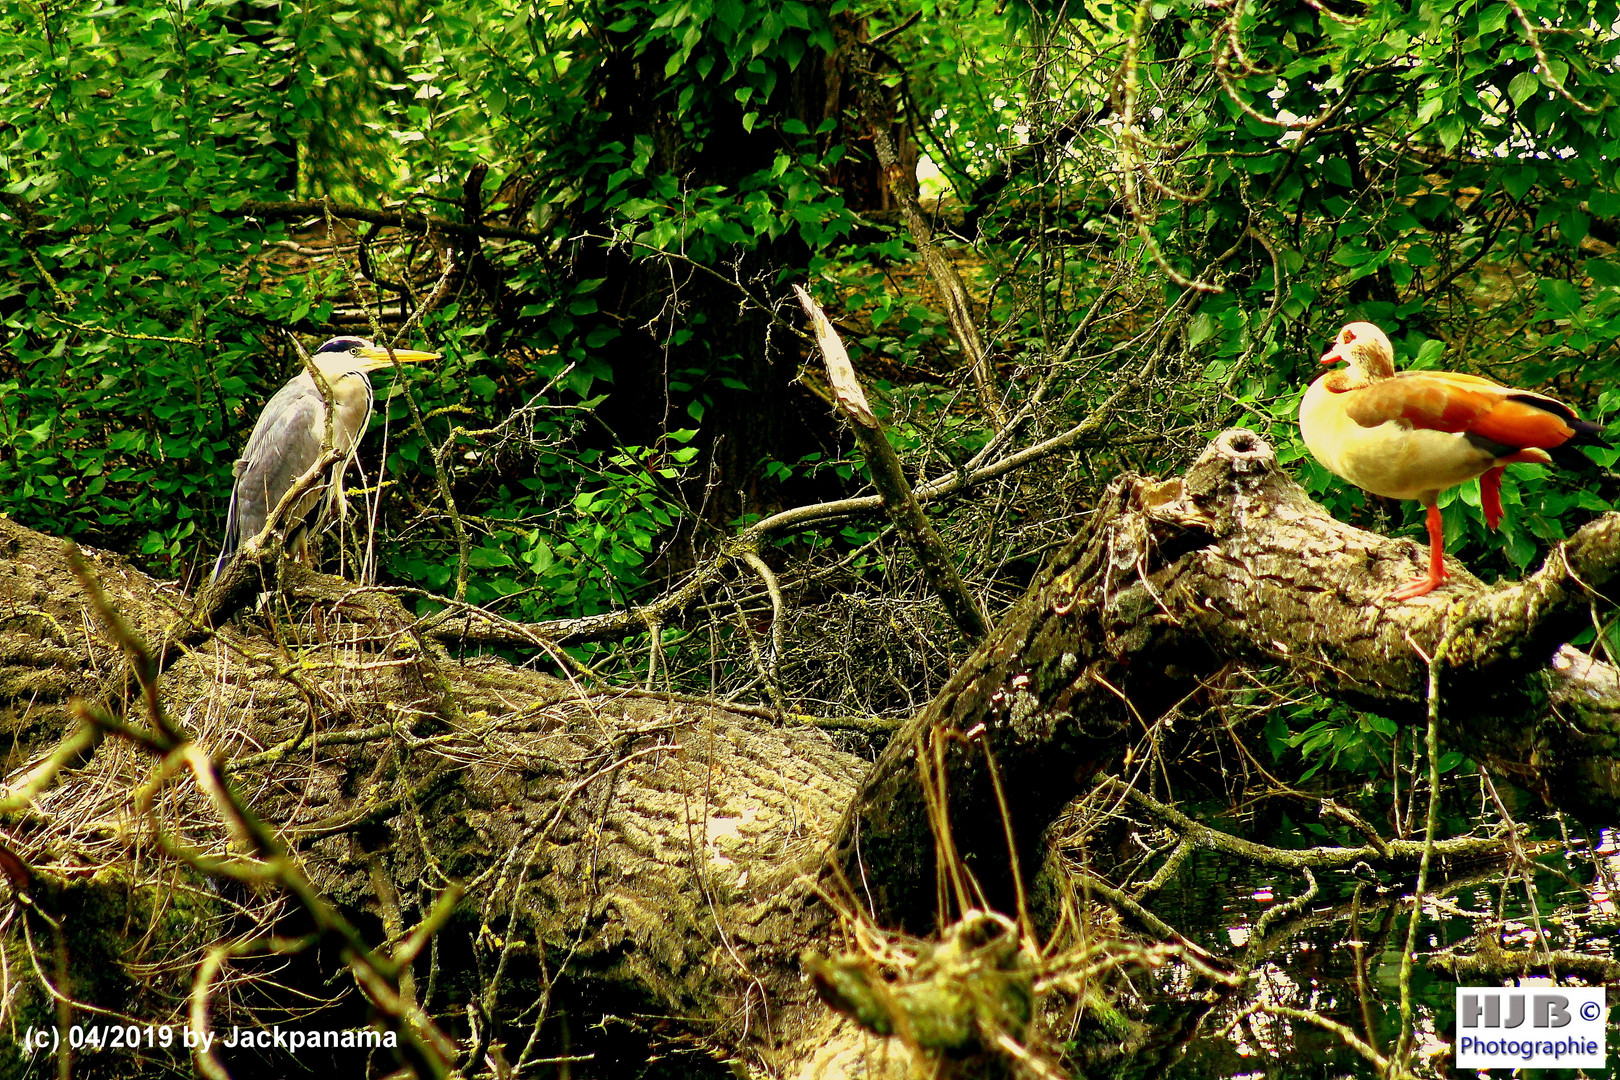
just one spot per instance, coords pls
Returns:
(1493, 18)
(1561, 297)
(1428, 355)
(1451, 129)
(487, 558)
(1573, 227)
(1522, 86)
(1518, 182)
(1603, 203)
(1604, 271)
(1201, 329)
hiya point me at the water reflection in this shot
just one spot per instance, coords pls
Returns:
(1324, 975)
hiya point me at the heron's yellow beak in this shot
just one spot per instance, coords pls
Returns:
(376, 357)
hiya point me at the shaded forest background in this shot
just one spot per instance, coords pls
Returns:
(596, 211)
(1061, 243)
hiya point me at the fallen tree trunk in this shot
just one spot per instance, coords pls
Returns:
(1172, 581)
(619, 849)
(663, 865)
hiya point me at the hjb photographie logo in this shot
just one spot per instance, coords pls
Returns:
(1537, 1027)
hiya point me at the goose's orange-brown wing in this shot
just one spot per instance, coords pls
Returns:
(1465, 404)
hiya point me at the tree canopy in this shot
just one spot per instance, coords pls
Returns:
(598, 208)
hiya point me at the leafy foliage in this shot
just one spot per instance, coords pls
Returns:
(147, 288)
(1223, 184)
(1435, 171)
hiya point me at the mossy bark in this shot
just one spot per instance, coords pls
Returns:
(1171, 581)
(675, 856)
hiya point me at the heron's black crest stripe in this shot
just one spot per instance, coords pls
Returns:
(342, 344)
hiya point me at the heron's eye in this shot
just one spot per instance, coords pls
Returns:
(1347, 337)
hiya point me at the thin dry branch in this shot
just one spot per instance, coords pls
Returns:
(946, 278)
(938, 565)
(1389, 853)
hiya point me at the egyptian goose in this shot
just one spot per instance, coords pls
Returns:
(1413, 434)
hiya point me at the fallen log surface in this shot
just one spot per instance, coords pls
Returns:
(633, 856)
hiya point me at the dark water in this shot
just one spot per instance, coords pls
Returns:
(1339, 957)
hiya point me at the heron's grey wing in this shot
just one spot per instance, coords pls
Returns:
(285, 443)
(233, 526)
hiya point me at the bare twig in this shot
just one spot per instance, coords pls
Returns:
(937, 563)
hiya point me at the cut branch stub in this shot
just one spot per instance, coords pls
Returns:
(840, 372)
(936, 561)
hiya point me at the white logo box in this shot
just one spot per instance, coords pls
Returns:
(1530, 1027)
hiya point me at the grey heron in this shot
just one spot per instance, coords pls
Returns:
(291, 435)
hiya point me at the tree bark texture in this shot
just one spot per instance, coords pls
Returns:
(1171, 581)
(658, 854)
(668, 858)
